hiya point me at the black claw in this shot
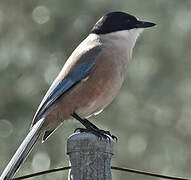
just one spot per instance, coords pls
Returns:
(114, 138)
(76, 130)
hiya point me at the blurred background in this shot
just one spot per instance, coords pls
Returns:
(152, 114)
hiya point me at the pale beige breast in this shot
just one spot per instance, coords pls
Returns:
(98, 89)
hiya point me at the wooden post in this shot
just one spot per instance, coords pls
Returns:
(89, 156)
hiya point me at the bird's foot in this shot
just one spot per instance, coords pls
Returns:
(90, 127)
(98, 132)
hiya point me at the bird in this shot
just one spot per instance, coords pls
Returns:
(88, 82)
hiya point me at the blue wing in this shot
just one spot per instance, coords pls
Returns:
(82, 68)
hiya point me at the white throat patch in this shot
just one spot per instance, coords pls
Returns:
(130, 36)
(123, 40)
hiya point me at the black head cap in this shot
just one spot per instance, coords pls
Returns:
(118, 21)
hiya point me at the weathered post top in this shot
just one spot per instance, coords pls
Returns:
(89, 156)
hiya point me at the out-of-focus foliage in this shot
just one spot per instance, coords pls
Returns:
(152, 114)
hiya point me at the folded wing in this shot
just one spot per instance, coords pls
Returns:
(79, 69)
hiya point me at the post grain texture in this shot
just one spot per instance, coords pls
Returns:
(90, 157)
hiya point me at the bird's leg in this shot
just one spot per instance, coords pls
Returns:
(85, 122)
(90, 127)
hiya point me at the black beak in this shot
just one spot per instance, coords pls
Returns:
(144, 24)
